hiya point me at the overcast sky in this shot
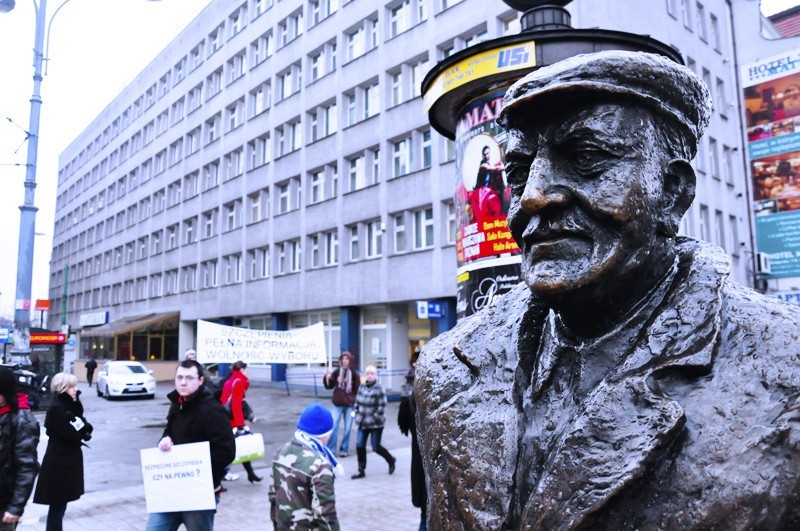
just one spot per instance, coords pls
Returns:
(96, 47)
(770, 7)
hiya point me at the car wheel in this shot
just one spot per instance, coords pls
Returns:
(150, 397)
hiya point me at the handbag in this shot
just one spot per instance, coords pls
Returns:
(247, 411)
(249, 447)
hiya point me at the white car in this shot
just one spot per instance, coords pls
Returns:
(125, 378)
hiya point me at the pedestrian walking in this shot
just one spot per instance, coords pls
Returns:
(370, 419)
(407, 422)
(301, 494)
(61, 477)
(90, 365)
(345, 382)
(19, 437)
(233, 394)
(195, 416)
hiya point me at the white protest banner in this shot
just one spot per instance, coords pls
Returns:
(178, 480)
(226, 344)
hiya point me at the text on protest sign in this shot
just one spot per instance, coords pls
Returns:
(226, 344)
(178, 480)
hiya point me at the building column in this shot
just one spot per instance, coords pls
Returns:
(350, 317)
(280, 321)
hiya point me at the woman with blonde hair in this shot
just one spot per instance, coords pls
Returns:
(61, 476)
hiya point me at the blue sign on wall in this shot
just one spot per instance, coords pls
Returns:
(430, 310)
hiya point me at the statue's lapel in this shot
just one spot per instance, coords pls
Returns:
(626, 421)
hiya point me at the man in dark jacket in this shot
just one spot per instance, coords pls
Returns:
(344, 381)
(19, 436)
(195, 416)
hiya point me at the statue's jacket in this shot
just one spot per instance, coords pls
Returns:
(698, 427)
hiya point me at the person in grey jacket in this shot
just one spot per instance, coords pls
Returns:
(370, 419)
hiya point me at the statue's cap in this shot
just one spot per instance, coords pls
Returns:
(660, 83)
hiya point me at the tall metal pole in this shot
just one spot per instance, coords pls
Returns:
(27, 223)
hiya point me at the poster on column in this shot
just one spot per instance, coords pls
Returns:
(488, 257)
(218, 343)
(178, 480)
(772, 112)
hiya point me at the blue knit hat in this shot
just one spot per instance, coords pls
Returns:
(315, 420)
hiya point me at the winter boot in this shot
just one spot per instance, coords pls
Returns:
(383, 452)
(362, 463)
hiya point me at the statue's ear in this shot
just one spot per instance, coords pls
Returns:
(678, 194)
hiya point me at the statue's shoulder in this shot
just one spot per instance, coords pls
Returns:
(763, 333)
(452, 361)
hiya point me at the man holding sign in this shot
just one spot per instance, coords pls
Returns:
(195, 416)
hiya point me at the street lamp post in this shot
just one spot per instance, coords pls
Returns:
(27, 223)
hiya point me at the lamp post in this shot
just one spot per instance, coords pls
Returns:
(27, 223)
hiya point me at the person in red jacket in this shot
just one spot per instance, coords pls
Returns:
(234, 390)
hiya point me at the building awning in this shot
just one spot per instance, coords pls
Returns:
(128, 324)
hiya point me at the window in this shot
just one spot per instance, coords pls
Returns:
(191, 185)
(193, 141)
(209, 223)
(362, 37)
(155, 285)
(258, 151)
(450, 234)
(727, 162)
(423, 229)
(356, 176)
(195, 98)
(213, 83)
(215, 39)
(236, 66)
(715, 36)
(171, 282)
(374, 239)
(232, 215)
(713, 158)
(209, 274)
(235, 114)
(687, 14)
(260, 6)
(289, 81)
(260, 99)
(155, 243)
(721, 98)
(425, 148)
(237, 21)
(177, 111)
(234, 164)
(354, 251)
(317, 188)
(212, 128)
(401, 157)
(257, 206)
(176, 152)
(210, 175)
(233, 269)
(701, 22)
(704, 228)
(331, 248)
(196, 56)
(284, 203)
(141, 248)
(189, 230)
(399, 18)
(258, 260)
(189, 278)
(371, 100)
(261, 48)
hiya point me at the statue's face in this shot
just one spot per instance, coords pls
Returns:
(586, 195)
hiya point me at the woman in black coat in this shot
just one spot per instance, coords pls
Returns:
(61, 476)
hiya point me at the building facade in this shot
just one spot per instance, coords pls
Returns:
(274, 168)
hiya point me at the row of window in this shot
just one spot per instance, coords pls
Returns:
(693, 15)
(410, 231)
(410, 152)
(359, 39)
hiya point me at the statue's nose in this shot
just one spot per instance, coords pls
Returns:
(542, 189)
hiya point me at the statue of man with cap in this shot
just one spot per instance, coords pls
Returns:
(627, 383)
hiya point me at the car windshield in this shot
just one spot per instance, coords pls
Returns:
(127, 369)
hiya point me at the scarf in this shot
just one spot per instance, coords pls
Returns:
(346, 380)
(314, 444)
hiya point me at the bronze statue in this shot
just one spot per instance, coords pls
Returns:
(627, 383)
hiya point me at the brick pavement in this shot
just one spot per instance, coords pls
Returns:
(114, 498)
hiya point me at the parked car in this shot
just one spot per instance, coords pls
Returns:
(125, 378)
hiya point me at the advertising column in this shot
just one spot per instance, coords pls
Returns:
(772, 108)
